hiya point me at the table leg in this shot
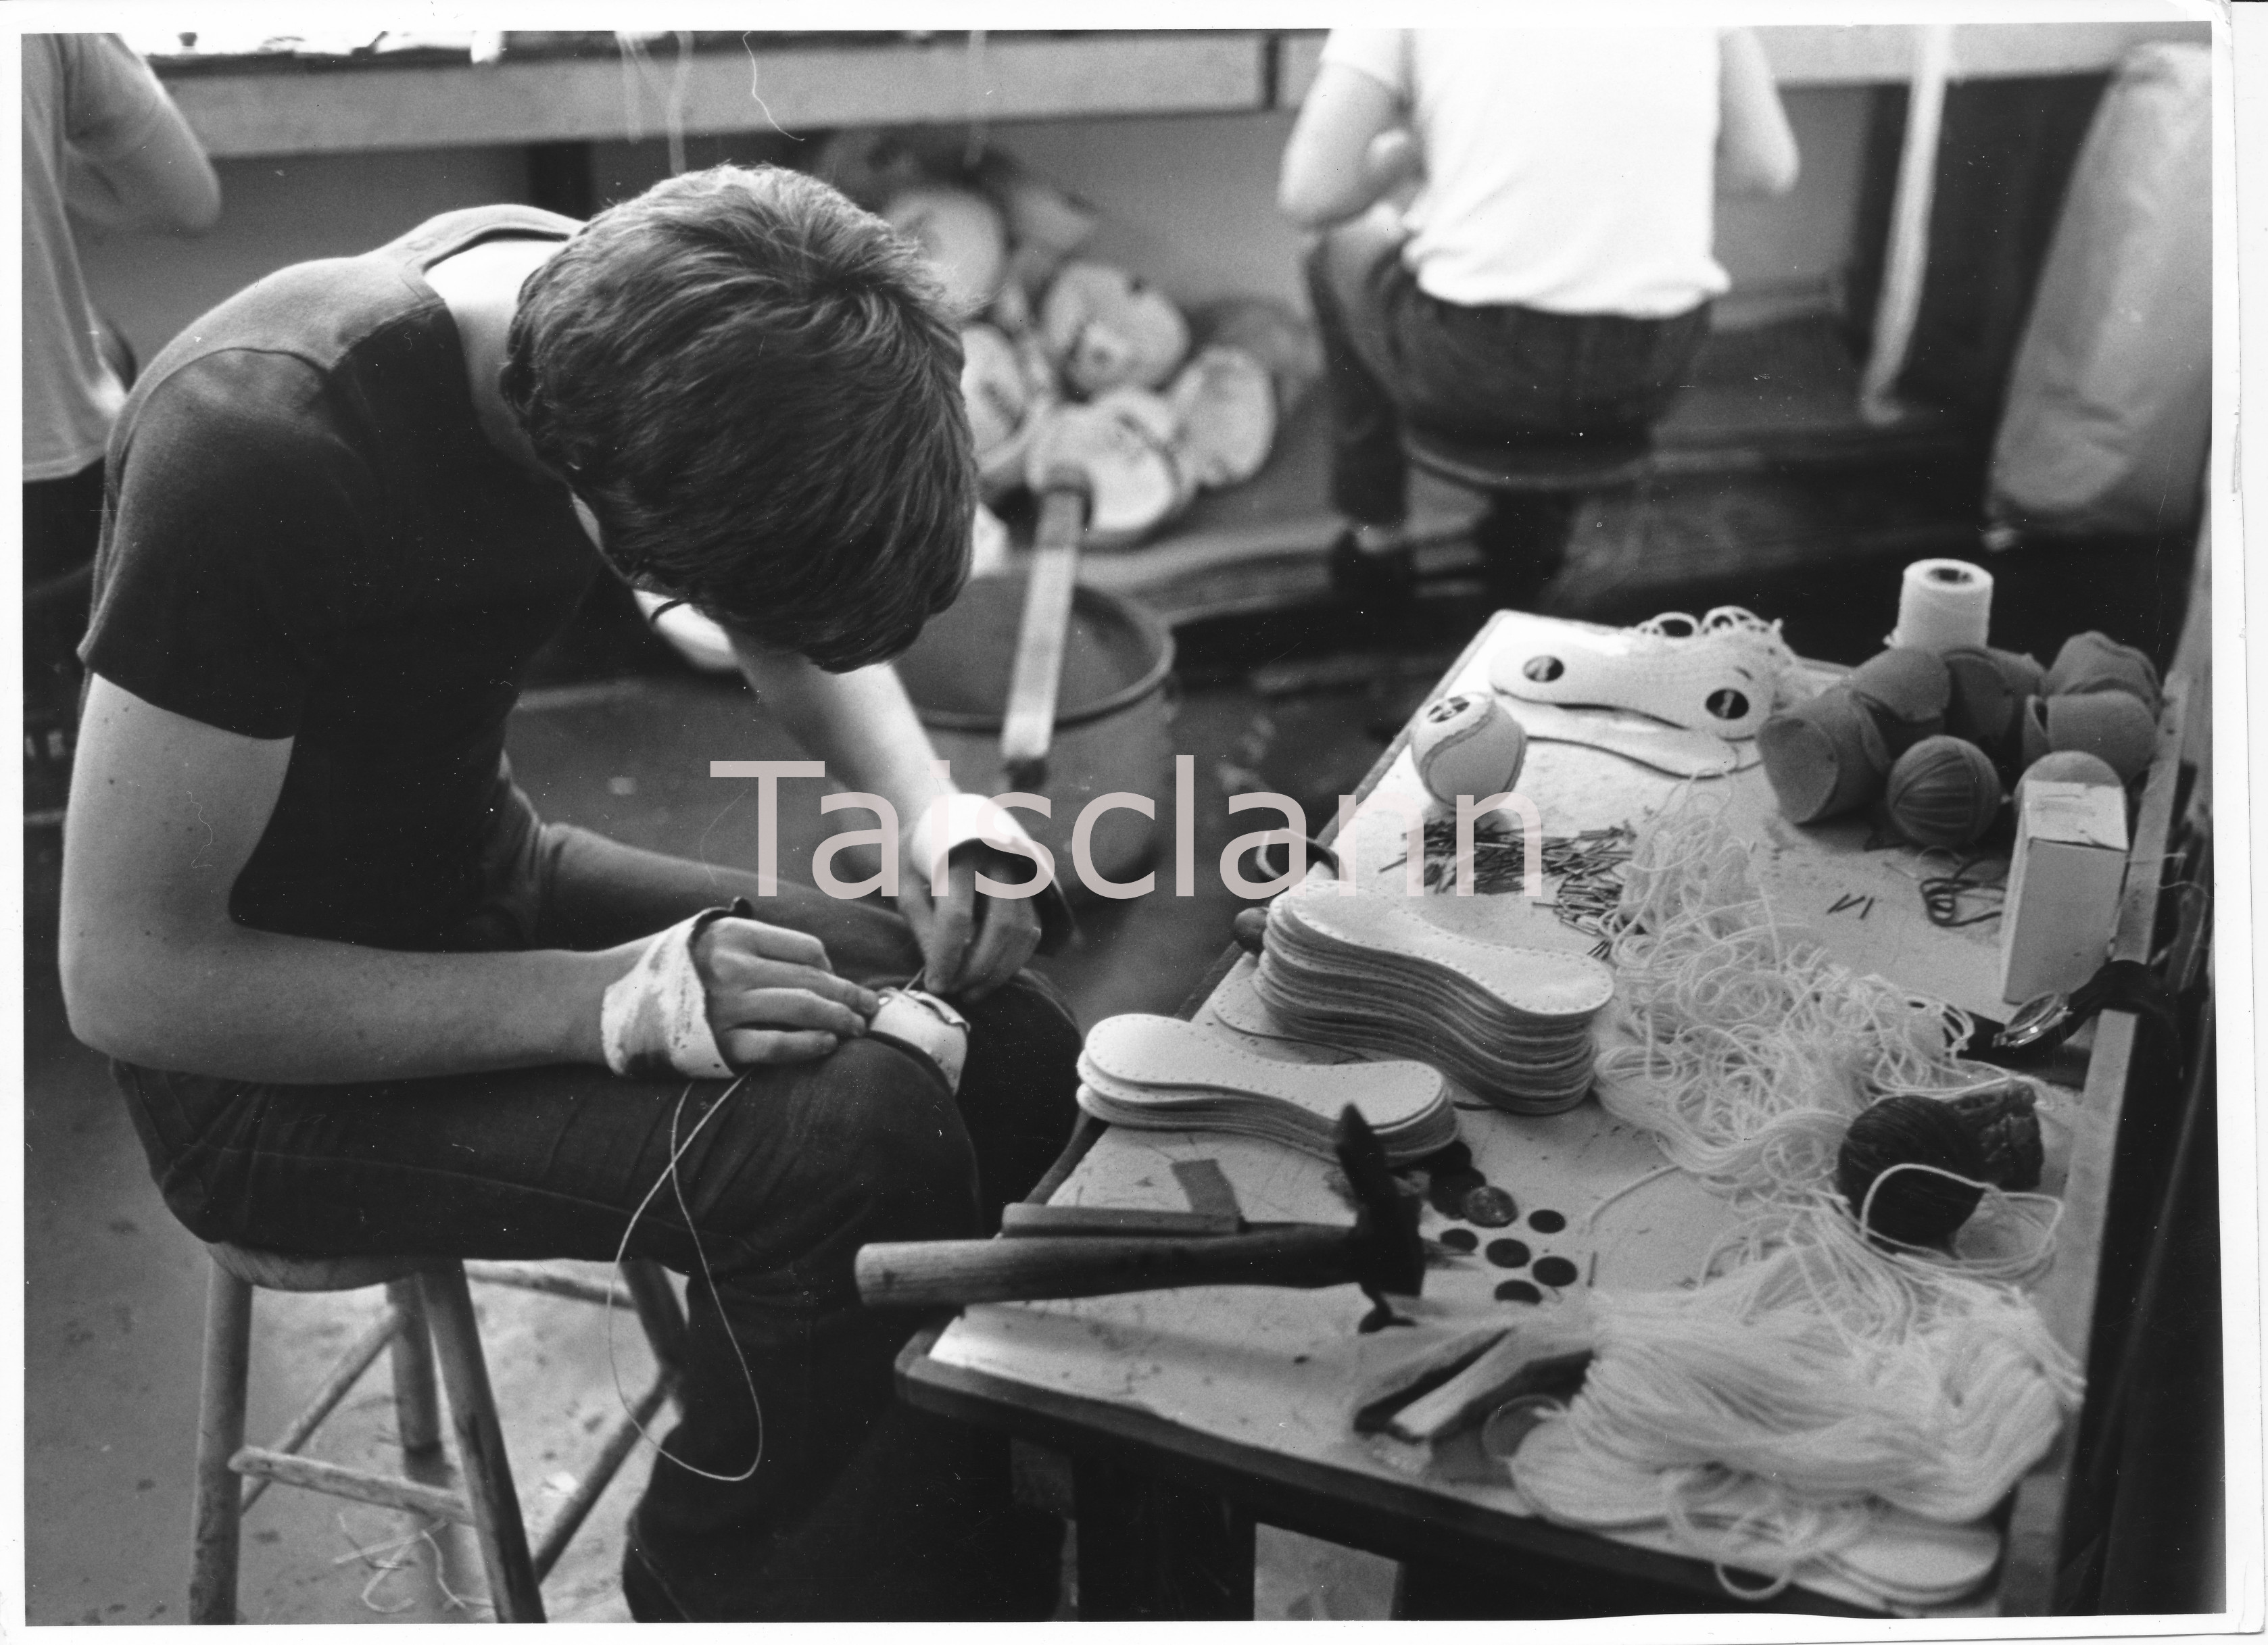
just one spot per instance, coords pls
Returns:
(1151, 1552)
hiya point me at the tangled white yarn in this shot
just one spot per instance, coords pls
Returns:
(1744, 1049)
(1812, 1372)
(1760, 642)
(1938, 1408)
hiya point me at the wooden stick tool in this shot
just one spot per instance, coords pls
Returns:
(1028, 728)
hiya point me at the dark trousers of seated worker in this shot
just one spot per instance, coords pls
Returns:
(858, 1508)
(1395, 356)
(62, 522)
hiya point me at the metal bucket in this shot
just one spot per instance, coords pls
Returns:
(1113, 712)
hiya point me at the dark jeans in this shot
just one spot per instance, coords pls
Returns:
(63, 523)
(858, 1509)
(1392, 354)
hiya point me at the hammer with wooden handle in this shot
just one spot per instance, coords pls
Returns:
(1381, 1253)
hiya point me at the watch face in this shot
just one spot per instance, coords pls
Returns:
(2035, 1019)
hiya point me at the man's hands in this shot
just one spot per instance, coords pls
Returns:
(867, 730)
(772, 995)
(970, 944)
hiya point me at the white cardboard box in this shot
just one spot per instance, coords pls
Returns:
(2062, 905)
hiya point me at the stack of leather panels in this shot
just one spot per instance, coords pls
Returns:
(1163, 1073)
(1366, 974)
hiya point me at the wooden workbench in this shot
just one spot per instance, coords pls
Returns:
(1190, 1413)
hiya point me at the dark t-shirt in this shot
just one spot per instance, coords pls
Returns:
(309, 536)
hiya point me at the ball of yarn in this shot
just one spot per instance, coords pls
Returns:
(2094, 661)
(1916, 1207)
(1468, 744)
(1989, 686)
(2071, 765)
(1824, 756)
(2005, 1120)
(1943, 792)
(1909, 689)
(2114, 726)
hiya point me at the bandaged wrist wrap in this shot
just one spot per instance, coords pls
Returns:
(925, 1026)
(654, 1021)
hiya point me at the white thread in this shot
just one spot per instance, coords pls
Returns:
(1811, 1371)
(1938, 1408)
(383, 1569)
(628, 51)
(1994, 1203)
(669, 1175)
(1591, 1216)
(1942, 604)
(1728, 624)
(1752, 1050)
(755, 74)
(681, 80)
(638, 67)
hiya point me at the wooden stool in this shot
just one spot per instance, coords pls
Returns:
(1533, 486)
(1513, 467)
(429, 1316)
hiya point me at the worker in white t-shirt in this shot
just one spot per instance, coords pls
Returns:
(105, 146)
(1549, 273)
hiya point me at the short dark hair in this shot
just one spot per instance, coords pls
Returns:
(754, 386)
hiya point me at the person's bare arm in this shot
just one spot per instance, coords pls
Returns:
(1756, 146)
(164, 813)
(863, 726)
(160, 181)
(1347, 149)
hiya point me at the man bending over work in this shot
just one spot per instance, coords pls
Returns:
(361, 1000)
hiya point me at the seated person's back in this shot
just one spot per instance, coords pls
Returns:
(1576, 177)
(1549, 279)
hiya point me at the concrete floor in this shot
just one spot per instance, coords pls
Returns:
(116, 1288)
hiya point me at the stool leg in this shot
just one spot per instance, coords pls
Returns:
(417, 1403)
(513, 1586)
(220, 1435)
(648, 1283)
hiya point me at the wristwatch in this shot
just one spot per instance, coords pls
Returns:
(2042, 1024)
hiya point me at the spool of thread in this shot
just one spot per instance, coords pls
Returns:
(1468, 744)
(1943, 603)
